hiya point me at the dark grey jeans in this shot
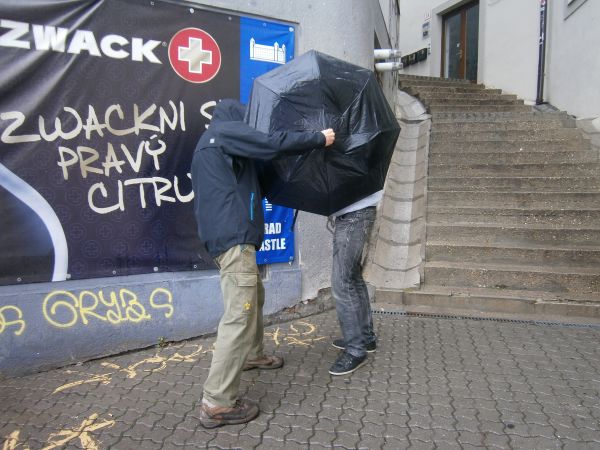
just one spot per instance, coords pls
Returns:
(347, 284)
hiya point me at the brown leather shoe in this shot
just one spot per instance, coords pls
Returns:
(265, 362)
(243, 411)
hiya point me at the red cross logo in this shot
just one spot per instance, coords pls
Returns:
(194, 55)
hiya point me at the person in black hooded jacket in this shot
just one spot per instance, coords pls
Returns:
(228, 209)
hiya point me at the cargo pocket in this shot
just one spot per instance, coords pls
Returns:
(246, 297)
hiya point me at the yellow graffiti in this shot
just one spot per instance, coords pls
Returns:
(82, 432)
(167, 305)
(296, 337)
(19, 322)
(63, 309)
(102, 379)
(132, 370)
(12, 442)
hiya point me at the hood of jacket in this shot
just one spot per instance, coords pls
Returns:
(228, 110)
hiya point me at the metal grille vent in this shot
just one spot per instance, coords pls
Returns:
(487, 319)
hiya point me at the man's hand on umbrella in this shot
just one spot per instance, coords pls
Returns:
(329, 136)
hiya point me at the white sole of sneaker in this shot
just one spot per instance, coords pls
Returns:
(344, 348)
(349, 371)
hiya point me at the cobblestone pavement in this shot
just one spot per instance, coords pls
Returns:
(433, 383)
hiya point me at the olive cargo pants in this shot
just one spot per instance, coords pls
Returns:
(240, 332)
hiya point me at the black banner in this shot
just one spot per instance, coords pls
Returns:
(101, 105)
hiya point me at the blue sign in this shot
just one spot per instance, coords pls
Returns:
(278, 244)
(265, 46)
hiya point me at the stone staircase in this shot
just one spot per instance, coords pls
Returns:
(513, 205)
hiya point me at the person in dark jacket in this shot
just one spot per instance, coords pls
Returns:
(228, 209)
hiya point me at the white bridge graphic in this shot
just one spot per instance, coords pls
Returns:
(269, 53)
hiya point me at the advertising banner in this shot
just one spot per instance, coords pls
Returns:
(101, 106)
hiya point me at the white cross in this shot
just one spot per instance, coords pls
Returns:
(195, 55)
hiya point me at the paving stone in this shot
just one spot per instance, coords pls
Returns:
(352, 415)
(469, 437)
(127, 443)
(291, 445)
(299, 435)
(256, 428)
(534, 443)
(277, 432)
(420, 445)
(371, 442)
(372, 429)
(432, 383)
(327, 425)
(231, 441)
(419, 421)
(424, 435)
(347, 426)
(345, 440)
(180, 436)
(395, 443)
(105, 440)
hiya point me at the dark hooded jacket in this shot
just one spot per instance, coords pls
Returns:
(227, 197)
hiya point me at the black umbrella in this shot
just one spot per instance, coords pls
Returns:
(315, 92)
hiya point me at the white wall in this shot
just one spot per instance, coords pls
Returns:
(508, 40)
(508, 53)
(412, 16)
(573, 59)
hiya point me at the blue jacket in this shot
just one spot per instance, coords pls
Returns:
(227, 196)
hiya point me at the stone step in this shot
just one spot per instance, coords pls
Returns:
(511, 146)
(512, 157)
(516, 170)
(408, 77)
(418, 84)
(476, 301)
(514, 184)
(437, 90)
(508, 276)
(450, 215)
(477, 108)
(547, 200)
(514, 235)
(578, 143)
(562, 134)
(441, 251)
(540, 124)
(468, 101)
(428, 97)
(494, 116)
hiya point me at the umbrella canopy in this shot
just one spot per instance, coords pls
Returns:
(315, 92)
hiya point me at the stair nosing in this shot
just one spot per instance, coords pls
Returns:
(522, 268)
(509, 226)
(516, 209)
(505, 293)
(514, 247)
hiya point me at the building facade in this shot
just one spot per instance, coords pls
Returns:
(46, 324)
(497, 43)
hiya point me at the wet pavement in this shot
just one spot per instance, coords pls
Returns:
(434, 382)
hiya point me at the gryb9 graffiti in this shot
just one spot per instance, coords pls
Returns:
(11, 316)
(64, 309)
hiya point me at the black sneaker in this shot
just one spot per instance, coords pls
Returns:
(339, 343)
(346, 363)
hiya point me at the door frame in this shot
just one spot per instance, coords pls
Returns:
(462, 10)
